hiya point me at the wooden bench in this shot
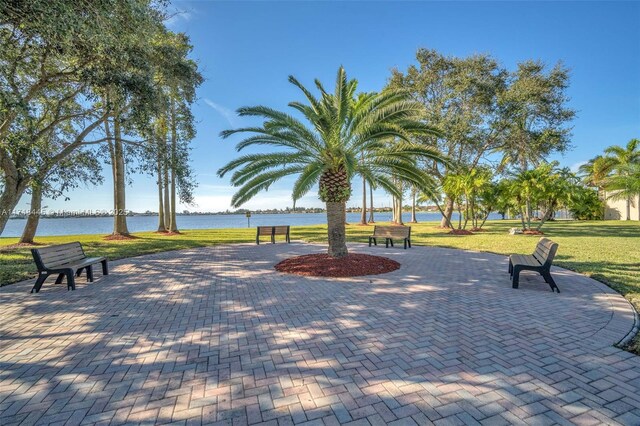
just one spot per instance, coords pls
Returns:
(389, 233)
(540, 261)
(65, 259)
(272, 231)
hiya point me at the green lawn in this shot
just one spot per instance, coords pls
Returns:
(608, 251)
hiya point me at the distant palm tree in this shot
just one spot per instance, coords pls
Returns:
(595, 171)
(622, 160)
(326, 151)
(626, 186)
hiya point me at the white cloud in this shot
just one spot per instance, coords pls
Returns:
(228, 115)
(575, 168)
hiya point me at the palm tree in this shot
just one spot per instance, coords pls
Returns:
(622, 159)
(325, 151)
(625, 186)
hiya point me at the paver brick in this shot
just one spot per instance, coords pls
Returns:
(217, 336)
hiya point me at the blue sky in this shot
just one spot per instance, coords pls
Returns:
(246, 50)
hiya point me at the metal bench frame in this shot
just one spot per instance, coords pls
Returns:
(540, 261)
(65, 260)
(389, 233)
(272, 231)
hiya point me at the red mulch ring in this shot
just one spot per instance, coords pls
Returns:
(478, 230)
(532, 232)
(323, 265)
(118, 237)
(460, 232)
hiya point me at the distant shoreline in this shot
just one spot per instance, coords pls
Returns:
(85, 214)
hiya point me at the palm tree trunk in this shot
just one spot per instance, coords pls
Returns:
(448, 211)
(173, 226)
(162, 227)
(414, 219)
(629, 208)
(363, 214)
(167, 204)
(371, 220)
(29, 232)
(336, 229)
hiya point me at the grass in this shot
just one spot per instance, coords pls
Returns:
(608, 251)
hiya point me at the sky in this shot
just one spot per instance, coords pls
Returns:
(246, 50)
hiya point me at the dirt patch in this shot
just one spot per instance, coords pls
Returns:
(323, 265)
(532, 232)
(17, 246)
(460, 232)
(119, 237)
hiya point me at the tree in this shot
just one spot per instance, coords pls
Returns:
(622, 163)
(81, 167)
(327, 150)
(51, 65)
(584, 203)
(546, 187)
(534, 115)
(460, 97)
(625, 186)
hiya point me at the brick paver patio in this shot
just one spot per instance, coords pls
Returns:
(216, 335)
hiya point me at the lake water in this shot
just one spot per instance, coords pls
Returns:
(104, 225)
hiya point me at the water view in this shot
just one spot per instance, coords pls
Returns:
(104, 225)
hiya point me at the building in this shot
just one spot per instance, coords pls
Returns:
(617, 209)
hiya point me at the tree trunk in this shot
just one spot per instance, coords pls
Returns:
(119, 216)
(414, 219)
(629, 208)
(363, 214)
(162, 226)
(448, 212)
(29, 232)
(167, 202)
(173, 226)
(12, 190)
(336, 229)
(371, 220)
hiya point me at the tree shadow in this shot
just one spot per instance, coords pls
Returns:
(215, 334)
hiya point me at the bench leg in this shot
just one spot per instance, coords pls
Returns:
(105, 267)
(375, 241)
(79, 272)
(391, 241)
(38, 285)
(60, 278)
(409, 242)
(549, 280)
(405, 244)
(258, 240)
(386, 242)
(90, 273)
(71, 282)
(510, 267)
(516, 277)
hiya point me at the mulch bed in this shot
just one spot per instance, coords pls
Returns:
(118, 237)
(323, 265)
(460, 232)
(532, 232)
